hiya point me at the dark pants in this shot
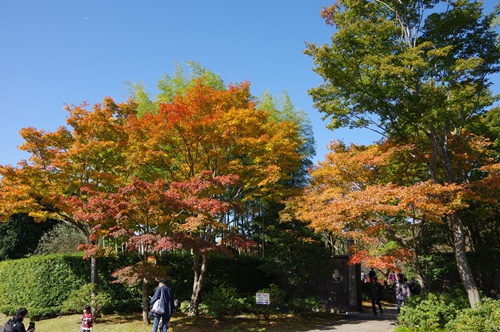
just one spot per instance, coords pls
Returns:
(376, 301)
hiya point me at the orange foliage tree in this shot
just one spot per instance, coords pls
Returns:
(220, 132)
(370, 194)
(179, 176)
(63, 161)
(423, 79)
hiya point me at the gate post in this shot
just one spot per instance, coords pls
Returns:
(355, 301)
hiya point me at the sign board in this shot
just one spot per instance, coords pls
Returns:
(262, 298)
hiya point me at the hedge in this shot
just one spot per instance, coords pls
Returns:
(43, 283)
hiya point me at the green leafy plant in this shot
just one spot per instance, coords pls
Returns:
(305, 306)
(83, 296)
(277, 297)
(431, 314)
(223, 301)
(484, 317)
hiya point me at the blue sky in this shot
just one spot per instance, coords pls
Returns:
(57, 52)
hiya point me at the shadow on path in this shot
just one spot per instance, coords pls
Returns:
(363, 321)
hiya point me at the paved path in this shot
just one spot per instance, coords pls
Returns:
(359, 322)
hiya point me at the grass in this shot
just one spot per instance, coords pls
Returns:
(182, 323)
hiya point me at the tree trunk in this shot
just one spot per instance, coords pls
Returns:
(93, 270)
(199, 277)
(418, 273)
(462, 261)
(145, 302)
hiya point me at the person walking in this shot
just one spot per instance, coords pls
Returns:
(376, 295)
(402, 290)
(162, 311)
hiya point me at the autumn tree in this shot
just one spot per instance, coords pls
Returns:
(219, 131)
(195, 136)
(417, 73)
(64, 161)
(371, 195)
(280, 108)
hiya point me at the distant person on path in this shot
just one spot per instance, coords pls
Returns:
(363, 276)
(372, 274)
(376, 295)
(87, 319)
(393, 278)
(16, 322)
(402, 290)
(166, 298)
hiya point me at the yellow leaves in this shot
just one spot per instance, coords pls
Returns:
(272, 175)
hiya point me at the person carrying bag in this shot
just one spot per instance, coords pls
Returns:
(162, 305)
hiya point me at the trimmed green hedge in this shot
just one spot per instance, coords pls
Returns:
(43, 283)
(40, 282)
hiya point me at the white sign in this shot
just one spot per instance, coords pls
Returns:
(262, 298)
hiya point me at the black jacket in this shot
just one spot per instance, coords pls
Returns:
(14, 325)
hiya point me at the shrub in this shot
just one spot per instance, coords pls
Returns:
(83, 296)
(61, 239)
(184, 307)
(20, 282)
(62, 275)
(483, 318)
(223, 301)
(431, 314)
(304, 306)
(277, 297)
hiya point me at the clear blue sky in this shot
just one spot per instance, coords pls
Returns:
(57, 52)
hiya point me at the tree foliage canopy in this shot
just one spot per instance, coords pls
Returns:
(417, 72)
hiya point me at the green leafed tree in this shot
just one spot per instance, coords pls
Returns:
(417, 72)
(62, 239)
(170, 86)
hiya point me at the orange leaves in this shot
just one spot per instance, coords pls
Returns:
(353, 188)
(358, 192)
(185, 169)
(219, 131)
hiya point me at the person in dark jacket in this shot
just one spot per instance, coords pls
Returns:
(15, 324)
(372, 274)
(376, 295)
(166, 297)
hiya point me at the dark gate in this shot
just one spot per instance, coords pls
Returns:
(340, 286)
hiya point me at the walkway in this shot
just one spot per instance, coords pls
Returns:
(359, 322)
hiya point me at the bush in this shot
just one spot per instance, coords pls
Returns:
(277, 297)
(431, 314)
(20, 282)
(62, 275)
(304, 306)
(482, 318)
(222, 302)
(184, 307)
(83, 296)
(61, 239)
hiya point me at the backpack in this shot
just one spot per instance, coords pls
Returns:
(11, 325)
